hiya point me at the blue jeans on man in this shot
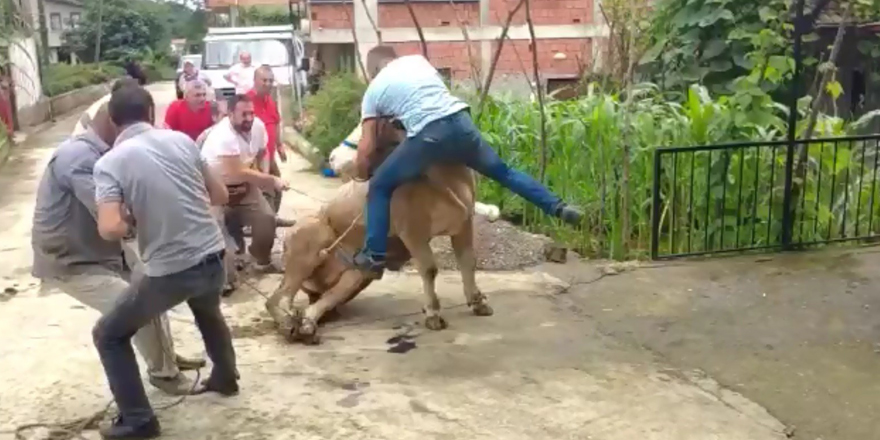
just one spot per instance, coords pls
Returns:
(451, 139)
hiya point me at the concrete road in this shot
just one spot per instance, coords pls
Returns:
(538, 369)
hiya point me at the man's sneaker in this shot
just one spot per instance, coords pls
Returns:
(179, 385)
(370, 267)
(267, 268)
(570, 215)
(186, 364)
(281, 222)
(210, 385)
(120, 430)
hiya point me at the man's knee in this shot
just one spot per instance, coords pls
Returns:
(99, 333)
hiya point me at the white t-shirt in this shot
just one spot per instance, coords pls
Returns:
(244, 76)
(224, 141)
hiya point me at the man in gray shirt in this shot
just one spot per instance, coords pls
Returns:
(70, 256)
(156, 181)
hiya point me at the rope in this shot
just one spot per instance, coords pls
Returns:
(73, 429)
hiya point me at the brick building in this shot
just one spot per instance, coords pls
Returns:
(566, 31)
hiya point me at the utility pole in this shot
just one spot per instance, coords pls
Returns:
(100, 31)
(44, 34)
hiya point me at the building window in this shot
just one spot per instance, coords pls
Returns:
(74, 19)
(55, 21)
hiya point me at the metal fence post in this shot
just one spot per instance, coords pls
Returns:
(787, 205)
(655, 205)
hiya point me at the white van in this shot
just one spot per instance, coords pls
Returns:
(276, 46)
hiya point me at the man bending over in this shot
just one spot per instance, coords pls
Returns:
(439, 129)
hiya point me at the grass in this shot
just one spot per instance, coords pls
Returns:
(708, 200)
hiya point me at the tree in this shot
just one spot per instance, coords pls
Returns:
(127, 29)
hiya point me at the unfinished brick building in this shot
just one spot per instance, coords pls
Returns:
(565, 31)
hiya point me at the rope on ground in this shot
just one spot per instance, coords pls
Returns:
(73, 429)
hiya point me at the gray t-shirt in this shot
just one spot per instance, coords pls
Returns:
(65, 235)
(158, 176)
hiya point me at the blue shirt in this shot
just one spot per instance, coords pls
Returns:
(411, 90)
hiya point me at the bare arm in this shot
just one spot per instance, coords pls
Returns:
(217, 191)
(365, 148)
(111, 222)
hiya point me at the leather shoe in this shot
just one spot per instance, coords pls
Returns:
(212, 386)
(119, 430)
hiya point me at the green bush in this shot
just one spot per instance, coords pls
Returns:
(62, 78)
(334, 111)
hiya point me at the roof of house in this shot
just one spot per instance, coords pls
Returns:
(68, 2)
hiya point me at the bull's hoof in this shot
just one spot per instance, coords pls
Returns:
(483, 309)
(306, 332)
(435, 323)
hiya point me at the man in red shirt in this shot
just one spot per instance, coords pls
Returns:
(266, 109)
(191, 115)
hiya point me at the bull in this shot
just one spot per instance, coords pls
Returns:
(317, 249)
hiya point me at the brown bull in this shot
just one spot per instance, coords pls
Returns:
(442, 204)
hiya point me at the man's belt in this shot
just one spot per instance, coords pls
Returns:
(237, 192)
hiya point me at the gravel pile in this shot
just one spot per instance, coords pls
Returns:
(499, 245)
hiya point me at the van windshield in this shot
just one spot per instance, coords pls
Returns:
(224, 53)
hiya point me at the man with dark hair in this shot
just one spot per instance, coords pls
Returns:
(235, 148)
(439, 129)
(266, 110)
(71, 256)
(155, 180)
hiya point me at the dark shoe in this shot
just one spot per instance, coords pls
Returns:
(570, 215)
(281, 222)
(179, 385)
(187, 364)
(120, 430)
(269, 267)
(211, 386)
(371, 267)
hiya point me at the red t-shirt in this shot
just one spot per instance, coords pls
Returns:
(267, 111)
(180, 117)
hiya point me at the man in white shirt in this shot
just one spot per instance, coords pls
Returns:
(233, 147)
(242, 74)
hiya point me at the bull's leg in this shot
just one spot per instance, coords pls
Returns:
(420, 249)
(347, 286)
(463, 246)
(301, 249)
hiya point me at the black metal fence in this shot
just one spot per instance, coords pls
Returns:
(752, 196)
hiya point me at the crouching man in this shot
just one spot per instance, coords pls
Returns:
(70, 256)
(233, 148)
(155, 180)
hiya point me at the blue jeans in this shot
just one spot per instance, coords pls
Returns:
(453, 139)
(147, 297)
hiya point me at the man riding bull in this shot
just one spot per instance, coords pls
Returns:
(439, 129)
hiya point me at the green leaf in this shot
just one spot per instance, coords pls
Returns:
(767, 14)
(811, 37)
(653, 53)
(834, 89)
(713, 17)
(713, 49)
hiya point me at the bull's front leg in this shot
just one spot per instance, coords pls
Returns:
(420, 248)
(463, 246)
(348, 285)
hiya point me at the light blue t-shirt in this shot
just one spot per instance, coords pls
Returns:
(411, 90)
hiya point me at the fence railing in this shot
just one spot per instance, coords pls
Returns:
(732, 197)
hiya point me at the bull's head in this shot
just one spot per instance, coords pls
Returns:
(389, 134)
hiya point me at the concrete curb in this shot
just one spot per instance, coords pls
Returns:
(302, 146)
(48, 109)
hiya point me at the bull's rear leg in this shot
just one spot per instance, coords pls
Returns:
(420, 249)
(347, 286)
(463, 246)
